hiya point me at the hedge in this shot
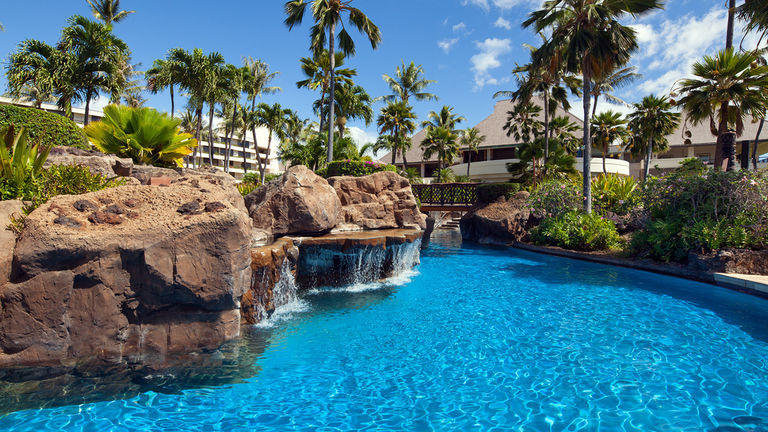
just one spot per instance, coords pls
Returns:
(490, 192)
(52, 129)
(355, 168)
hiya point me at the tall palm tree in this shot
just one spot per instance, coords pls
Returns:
(564, 131)
(609, 81)
(523, 122)
(398, 120)
(471, 139)
(219, 89)
(726, 88)
(352, 102)
(590, 38)
(108, 11)
(99, 54)
(274, 118)
(445, 118)
(755, 13)
(408, 82)
(163, 74)
(327, 15)
(318, 76)
(608, 127)
(440, 141)
(649, 124)
(256, 82)
(42, 70)
(731, 19)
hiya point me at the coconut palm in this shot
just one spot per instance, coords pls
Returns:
(531, 167)
(43, 72)
(318, 76)
(607, 128)
(98, 57)
(609, 81)
(755, 13)
(441, 141)
(727, 87)
(327, 15)
(471, 139)
(398, 120)
(352, 102)
(108, 11)
(274, 118)
(220, 88)
(649, 124)
(590, 38)
(408, 82)
(445, 118)
(523, 122)
(163, 74)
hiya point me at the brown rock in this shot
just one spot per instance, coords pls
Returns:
(267, 262)
(84, 205)
(299, 202)
(96, 162)
(383, 200)
(100, 217)
(742, 261)
(8, 209)
(500, 222)
(155, 286)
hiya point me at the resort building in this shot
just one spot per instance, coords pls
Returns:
(242, 156)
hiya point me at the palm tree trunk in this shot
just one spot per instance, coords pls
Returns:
(173, 108)
(587, 154)
(198, 129)
(546, 128)
(605, 150)
(263, 167)
(211, 138)
(469, 162)
(256, 146)
(87, 108)
(332, 95)
(405, 161)
(729, 32)
(648, 155)
(439, 168)
(244, 138)
(594, 107)
(754, 145)
(722, 128)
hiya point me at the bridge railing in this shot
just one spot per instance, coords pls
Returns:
(447, 194)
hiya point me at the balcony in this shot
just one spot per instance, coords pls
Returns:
(496, 170)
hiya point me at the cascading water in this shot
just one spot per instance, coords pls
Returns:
(285, 290)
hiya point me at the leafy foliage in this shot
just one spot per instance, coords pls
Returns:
(555, 198)
(578, 231)
(48, 128)
(246, 188)
(356, 168)
(490, 192)
(20, 160)
(142, 134)
(615, 194)
(412, 174)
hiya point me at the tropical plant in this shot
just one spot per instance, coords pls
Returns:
(108, 11)
(20, 159)
(164, 74)
(608, 128)
(471, 139)
(727, 87)
(649, 124)
(522, 122)
(445, 119)
(318, 76)
(615, 194)
(356, 168)
(553, 198)
(755, 13)
(142, 134)
(397, 120)
(274, 118)
(352, 102)
(490, 192)
(446, 175)
(578, 231)
(49, 129)
(408, 82)
(327, 15)
(256, 81)
(442, 142)
(531, 168)
(610, 80)
(563, 129)
(413, 175)
(590, 38)
(42, 67)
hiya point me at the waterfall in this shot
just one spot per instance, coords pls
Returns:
(285, 290)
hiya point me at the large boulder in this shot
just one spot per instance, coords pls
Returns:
(134, 274)
(742, 261)
(500, 222)
(96, 162)
(299, 202)
(8, 211)
(383, 200)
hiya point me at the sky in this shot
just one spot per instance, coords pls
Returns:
(468, 46)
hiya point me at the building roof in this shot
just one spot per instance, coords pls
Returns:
(701, 134)
(492, 127)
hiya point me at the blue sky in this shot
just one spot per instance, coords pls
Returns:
(468, 46)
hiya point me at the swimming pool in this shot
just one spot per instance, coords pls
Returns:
(476, 339)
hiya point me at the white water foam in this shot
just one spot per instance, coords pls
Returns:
(284, 313)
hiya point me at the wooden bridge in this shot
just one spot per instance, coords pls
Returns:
(446, 196)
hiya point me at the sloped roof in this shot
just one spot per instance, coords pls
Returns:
(492, 127)
(701, 135)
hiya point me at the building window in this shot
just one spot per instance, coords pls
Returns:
(704, 157)
(504, 153)
(477, 156)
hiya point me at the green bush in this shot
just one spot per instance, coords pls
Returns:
(251, 178)
(692, 212)
(615, 194)
(49, 128)
(20, 159)
(490, 192)
(269, 177)
(354, 168)
(553, 198)
(577, 231)
(246, 188)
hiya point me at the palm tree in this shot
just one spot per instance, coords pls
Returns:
(162, 74)
(108, 11)
(408, 81)
(608, 127)
(397, 119)
(440, 141)
(98, 56)
(42, 70)
(532, 168)
(256, 82)
(274, 118)
(563, 130)
(649, 126)
(445, 118)
(729, 86)
(611, 80)
(590, 38)
(327, 15)
(523, 123)
(471, 139)
(219, 89)
(318, 76)
(729, 31)
(755, 13)
(352, 102)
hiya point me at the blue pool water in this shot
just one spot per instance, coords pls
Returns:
(478, 339)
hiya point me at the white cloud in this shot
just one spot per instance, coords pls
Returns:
(488, 59)
(483, 4)
(502, 23)
(458, 27)
(501, 4)
(447, 44)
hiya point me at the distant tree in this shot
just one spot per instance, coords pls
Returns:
(43, 72)
(108, 11)
(607, 128)
(523, 123)
(274, 118)
(649, 124)
(440, 141)
(318, 77)
(398, 121)
(445, 119)
(609, 81)
(471, 139)
(408, 82)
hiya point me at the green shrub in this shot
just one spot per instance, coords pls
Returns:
(577, 231)
(554, 198)
(20, 159)
(246, 188)
(49, 128)
(251, 178)
(413, 175)
(490, 192)
(354, 168)
(615, 194)
(142, 134)
(462, 179)
(269, 177)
